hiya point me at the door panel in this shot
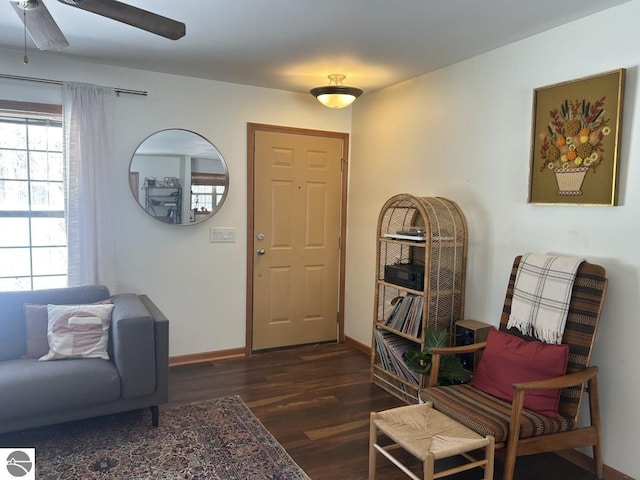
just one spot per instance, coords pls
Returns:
(297, 207)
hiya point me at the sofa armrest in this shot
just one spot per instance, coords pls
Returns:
(134, 345)
(161, 327)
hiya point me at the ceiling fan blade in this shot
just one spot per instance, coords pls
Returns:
(136, 17)
(41, 26)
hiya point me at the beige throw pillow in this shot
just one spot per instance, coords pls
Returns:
(78, 331)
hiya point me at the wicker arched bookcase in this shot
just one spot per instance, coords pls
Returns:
(420, 281)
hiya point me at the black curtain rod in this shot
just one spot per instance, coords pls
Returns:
(59, 82)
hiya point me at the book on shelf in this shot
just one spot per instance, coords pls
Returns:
(406, 315)
(391, 351)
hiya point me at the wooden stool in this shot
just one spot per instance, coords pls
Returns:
(428, 435)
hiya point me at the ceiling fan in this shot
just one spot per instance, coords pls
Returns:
(47, 35)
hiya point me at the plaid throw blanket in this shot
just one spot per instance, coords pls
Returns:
(541, 295)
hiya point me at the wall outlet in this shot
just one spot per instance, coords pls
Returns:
(222, 235)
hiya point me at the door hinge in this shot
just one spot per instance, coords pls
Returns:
(337, 317)
(342, 164)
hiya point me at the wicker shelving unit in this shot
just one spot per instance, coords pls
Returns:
(434, 301)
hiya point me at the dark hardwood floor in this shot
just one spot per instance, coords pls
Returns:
(316, 401)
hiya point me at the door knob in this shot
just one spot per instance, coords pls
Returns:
(260, 251)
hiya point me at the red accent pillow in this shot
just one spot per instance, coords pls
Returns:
(508, 359)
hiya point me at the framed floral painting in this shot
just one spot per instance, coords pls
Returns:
(575, 141)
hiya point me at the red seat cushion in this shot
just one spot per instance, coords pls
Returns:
(508, 359)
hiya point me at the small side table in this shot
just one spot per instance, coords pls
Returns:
(428, 435)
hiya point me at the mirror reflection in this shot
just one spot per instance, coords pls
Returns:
(178, 177)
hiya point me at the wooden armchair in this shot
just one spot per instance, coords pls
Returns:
(517, 430)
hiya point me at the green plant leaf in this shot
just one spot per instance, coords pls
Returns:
(451, 370)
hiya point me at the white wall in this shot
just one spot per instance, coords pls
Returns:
(200, 286)
(463, 132)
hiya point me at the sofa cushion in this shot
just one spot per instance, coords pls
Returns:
(12, 331)
(78, 331)
(45, 387)
(508, 359)
(35, 330)
(488, 415)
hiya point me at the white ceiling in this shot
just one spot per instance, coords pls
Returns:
(294, 44)
(178, 142)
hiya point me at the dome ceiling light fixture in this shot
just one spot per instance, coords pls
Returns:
(336, 95)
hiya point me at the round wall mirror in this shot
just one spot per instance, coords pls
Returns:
(178, 177)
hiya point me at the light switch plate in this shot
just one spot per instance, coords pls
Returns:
(222, 235)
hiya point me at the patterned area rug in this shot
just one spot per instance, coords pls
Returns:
(216, 439)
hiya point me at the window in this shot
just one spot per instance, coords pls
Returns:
(207, 191)
(205, 197)
(33, 244)
(202, 197)
(219, 189)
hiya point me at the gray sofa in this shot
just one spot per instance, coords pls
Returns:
(36, 393)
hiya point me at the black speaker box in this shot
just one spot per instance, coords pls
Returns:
(469, 332)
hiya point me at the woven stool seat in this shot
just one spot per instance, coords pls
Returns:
(428, 435)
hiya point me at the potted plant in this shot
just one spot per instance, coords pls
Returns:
(451, 370)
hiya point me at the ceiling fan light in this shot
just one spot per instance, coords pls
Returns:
(336, 95)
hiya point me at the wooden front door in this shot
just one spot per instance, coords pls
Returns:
(295, 237)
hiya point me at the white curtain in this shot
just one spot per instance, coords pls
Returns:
(88, 112)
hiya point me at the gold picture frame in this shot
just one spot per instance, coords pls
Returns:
(575, 141)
